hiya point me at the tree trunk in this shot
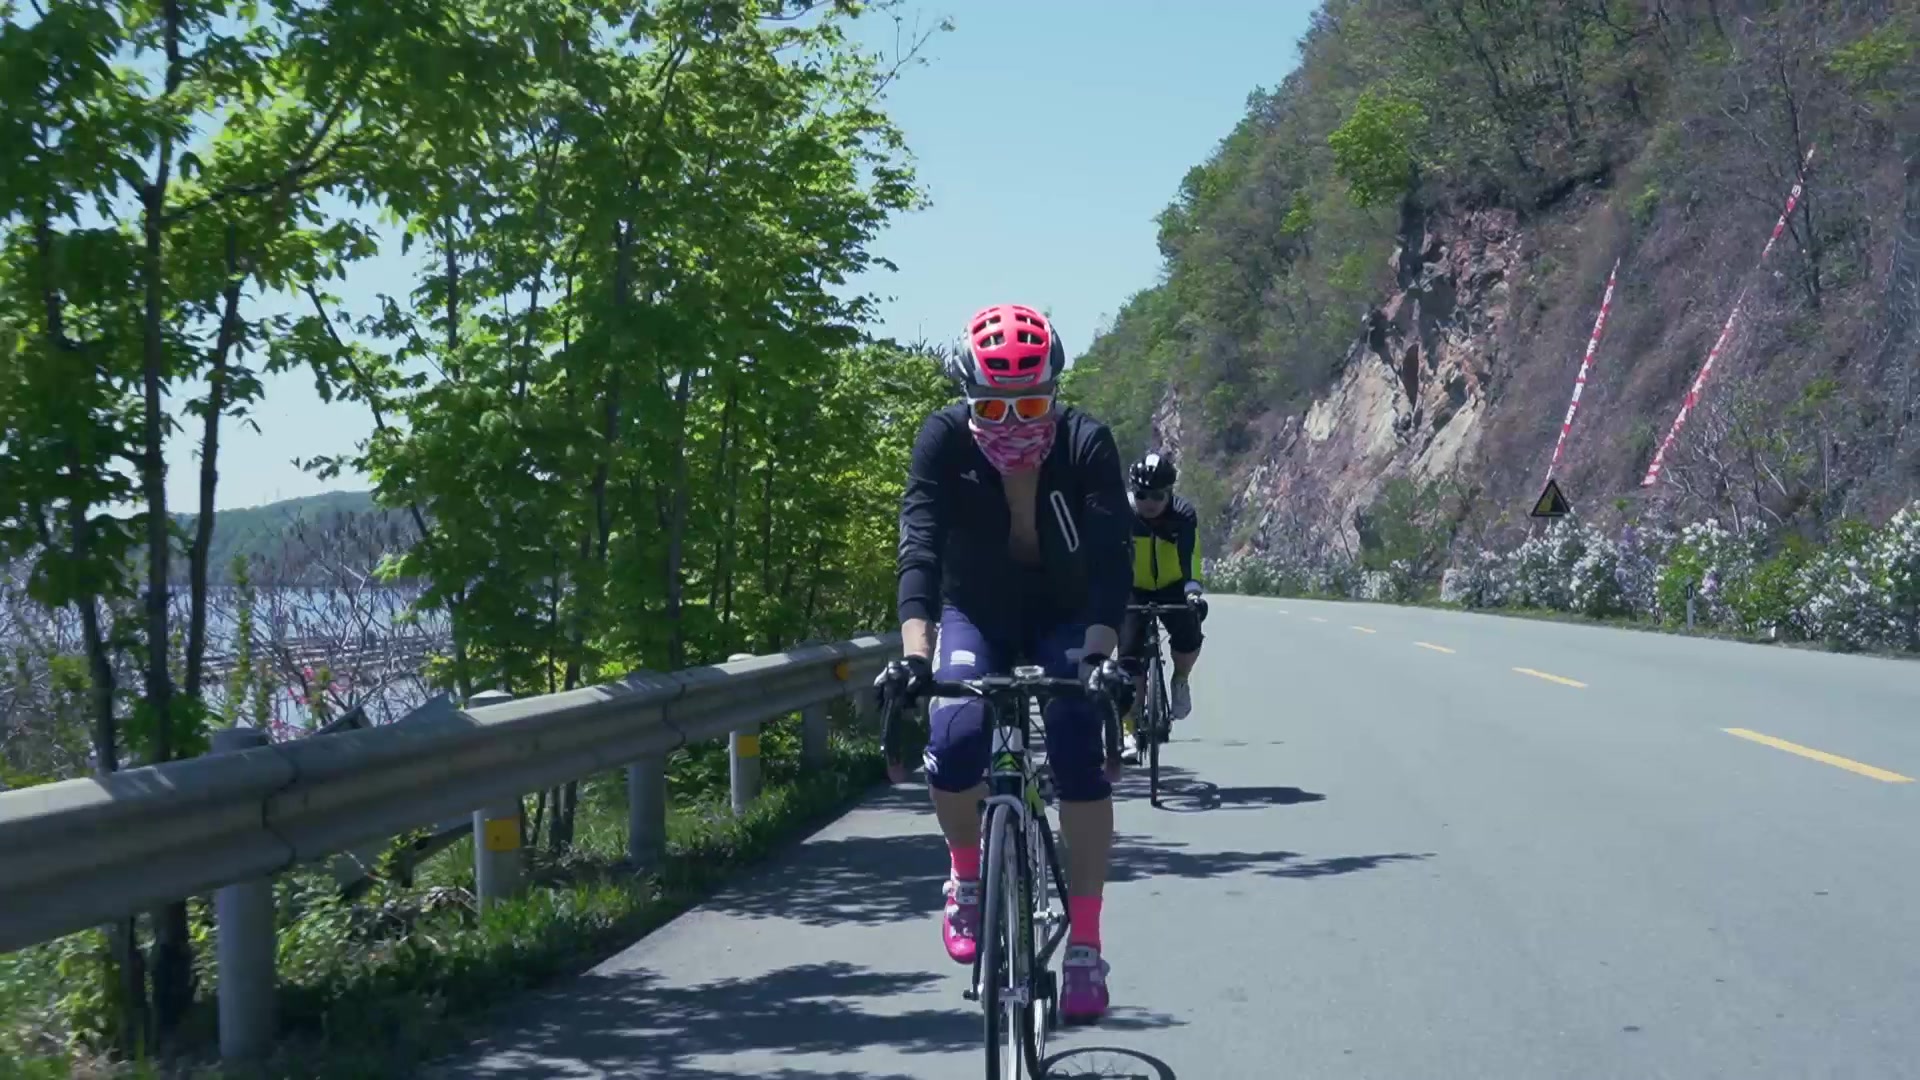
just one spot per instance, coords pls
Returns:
(172, 949)
(209, 468)
(731, 539)
(566, 802)
(677, 526)
(126, 967)
(721, 471)
(766, 527)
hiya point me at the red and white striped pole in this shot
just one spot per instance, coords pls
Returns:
(1700, 380)
(1586, 364)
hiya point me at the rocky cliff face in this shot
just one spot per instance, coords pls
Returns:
(1412, 391)
(1463, 372)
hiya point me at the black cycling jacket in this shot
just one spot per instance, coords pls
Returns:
(1166, 549)
(954, 527)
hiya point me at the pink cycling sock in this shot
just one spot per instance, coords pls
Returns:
(1083, 920)
(966, 862)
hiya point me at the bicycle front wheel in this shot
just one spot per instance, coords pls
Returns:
(1160, 720)
(1006, 943)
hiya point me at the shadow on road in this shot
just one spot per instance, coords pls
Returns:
(1106, 1063)
(1203, 796)
(628, 1024)
(1137, 858)
(1183, 792)
(857, 880)
(1134, 1018)
(850, 880)
(910, 796)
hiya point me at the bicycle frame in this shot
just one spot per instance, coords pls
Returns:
(1014, 784)
(1151, 613)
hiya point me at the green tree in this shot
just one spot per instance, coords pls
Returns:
(631, 323)
(1374, 150)
(167, 163)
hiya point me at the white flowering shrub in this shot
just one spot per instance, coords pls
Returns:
(1240, 573)
(1541, 568)
(1861, 590)
(1717, 563)
(1638, 558)
(1594, 580)
(1835, 601)
(1895, 562)
(1481, 580)
(1337, 579)
(1402, 583)
(1396, 584)
(1264, 574)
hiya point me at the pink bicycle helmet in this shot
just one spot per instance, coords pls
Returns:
(1009, 347)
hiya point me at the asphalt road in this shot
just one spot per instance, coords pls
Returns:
(1406, 844)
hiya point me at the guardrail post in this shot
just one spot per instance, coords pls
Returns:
(499, 863)
(866, 707)
(813, 736)
(647, 811)
(245, 944)
(743, 758)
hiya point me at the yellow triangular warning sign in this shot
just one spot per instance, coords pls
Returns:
(1551, 503)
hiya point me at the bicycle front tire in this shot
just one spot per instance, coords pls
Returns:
(1158, 724)
(1007, 954)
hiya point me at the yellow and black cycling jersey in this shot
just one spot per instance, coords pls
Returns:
(1166, 549)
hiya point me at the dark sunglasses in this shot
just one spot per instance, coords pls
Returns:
(1153, 494)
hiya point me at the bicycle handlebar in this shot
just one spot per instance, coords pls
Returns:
(1160, 609)
(987, 686)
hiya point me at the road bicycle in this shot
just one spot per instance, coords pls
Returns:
(1021, 927)
(1155, 723)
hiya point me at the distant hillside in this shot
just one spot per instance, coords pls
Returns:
(1390, 269)
(284, 540)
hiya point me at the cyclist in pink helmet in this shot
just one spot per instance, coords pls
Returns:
(1016, 535)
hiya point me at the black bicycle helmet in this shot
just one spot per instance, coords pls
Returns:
(1155, 472)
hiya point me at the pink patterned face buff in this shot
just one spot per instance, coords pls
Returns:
(1015, 445)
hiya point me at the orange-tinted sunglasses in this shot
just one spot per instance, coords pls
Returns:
(995, 410)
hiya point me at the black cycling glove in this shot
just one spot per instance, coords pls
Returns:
(1199, 605)
(908, 676)
(1110, 680)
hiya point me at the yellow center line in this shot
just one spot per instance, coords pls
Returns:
(1551, 678)
(1435, 648)
(1366, 630)
(1820, 755)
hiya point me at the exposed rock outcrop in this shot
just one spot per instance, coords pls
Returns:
(1412, 390)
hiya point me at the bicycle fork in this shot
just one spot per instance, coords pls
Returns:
(1021, 831)
(1045, 877)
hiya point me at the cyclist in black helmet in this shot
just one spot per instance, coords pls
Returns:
(1166, 570)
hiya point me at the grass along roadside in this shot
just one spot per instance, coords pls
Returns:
(379, 986)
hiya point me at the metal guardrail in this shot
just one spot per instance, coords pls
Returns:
(82, 853)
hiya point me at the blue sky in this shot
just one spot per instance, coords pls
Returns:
(1067, 122)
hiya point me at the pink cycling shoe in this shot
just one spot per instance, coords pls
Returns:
(960, 926)
(1083, 993)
